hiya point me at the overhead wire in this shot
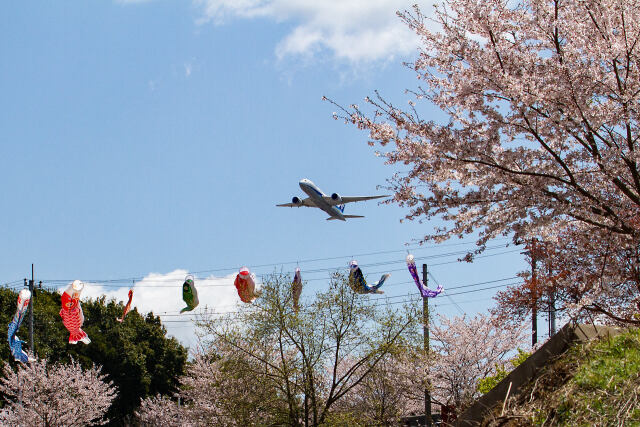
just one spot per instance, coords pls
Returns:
(14, 284)
(376, 302)
(311, 260)
(416, 247)
(379, 301)
(448, 295)
(467, 285)
(122, 282)
(387, 299)
(232, 313)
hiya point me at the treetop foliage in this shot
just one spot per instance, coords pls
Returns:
(136, 355)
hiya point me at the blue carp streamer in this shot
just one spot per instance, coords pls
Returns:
(15, 343)
(358, 283)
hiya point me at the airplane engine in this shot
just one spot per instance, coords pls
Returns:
(336, 198)
(296, 201)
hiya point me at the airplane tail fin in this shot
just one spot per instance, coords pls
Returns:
(341, 207)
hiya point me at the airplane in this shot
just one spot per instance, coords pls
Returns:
(333, 205)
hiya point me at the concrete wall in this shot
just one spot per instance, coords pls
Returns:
(524, 373)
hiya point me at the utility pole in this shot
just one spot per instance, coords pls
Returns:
(534, 292)
(31, 282)
(552, 314)
(552, 309)
(428, 421)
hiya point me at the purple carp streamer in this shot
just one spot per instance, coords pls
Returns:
(426, 292)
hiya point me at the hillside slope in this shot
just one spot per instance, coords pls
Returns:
(596, 383)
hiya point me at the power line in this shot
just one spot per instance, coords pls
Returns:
(233, 313)
(14, 284)
(385, 298)
(380, 301)
(418, 299)
(123, 282)
(311, 260)
(460, 310)
(375, 302)
(448, 288)
(415, 247)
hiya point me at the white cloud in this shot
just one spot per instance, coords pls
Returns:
(188, 68)
(162, 294)
(351, 30)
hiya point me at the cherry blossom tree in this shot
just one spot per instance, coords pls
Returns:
(542, 138)
(163, 411)
(463, 351)
(227, 388)
(388, 393)
(39, 394)
(467, 350)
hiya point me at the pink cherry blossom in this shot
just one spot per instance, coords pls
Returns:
(541, 140)
(55, 395)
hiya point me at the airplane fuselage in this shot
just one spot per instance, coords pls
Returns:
(318, 198)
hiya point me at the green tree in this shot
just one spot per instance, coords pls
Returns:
(486, 384)
(136, 354)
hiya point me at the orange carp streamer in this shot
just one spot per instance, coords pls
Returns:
(126, 307)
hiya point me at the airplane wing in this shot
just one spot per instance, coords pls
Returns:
(352, 199)
(304, 202)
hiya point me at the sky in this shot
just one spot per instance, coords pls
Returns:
(141, 141)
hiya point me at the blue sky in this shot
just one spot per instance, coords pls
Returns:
(153, 138)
